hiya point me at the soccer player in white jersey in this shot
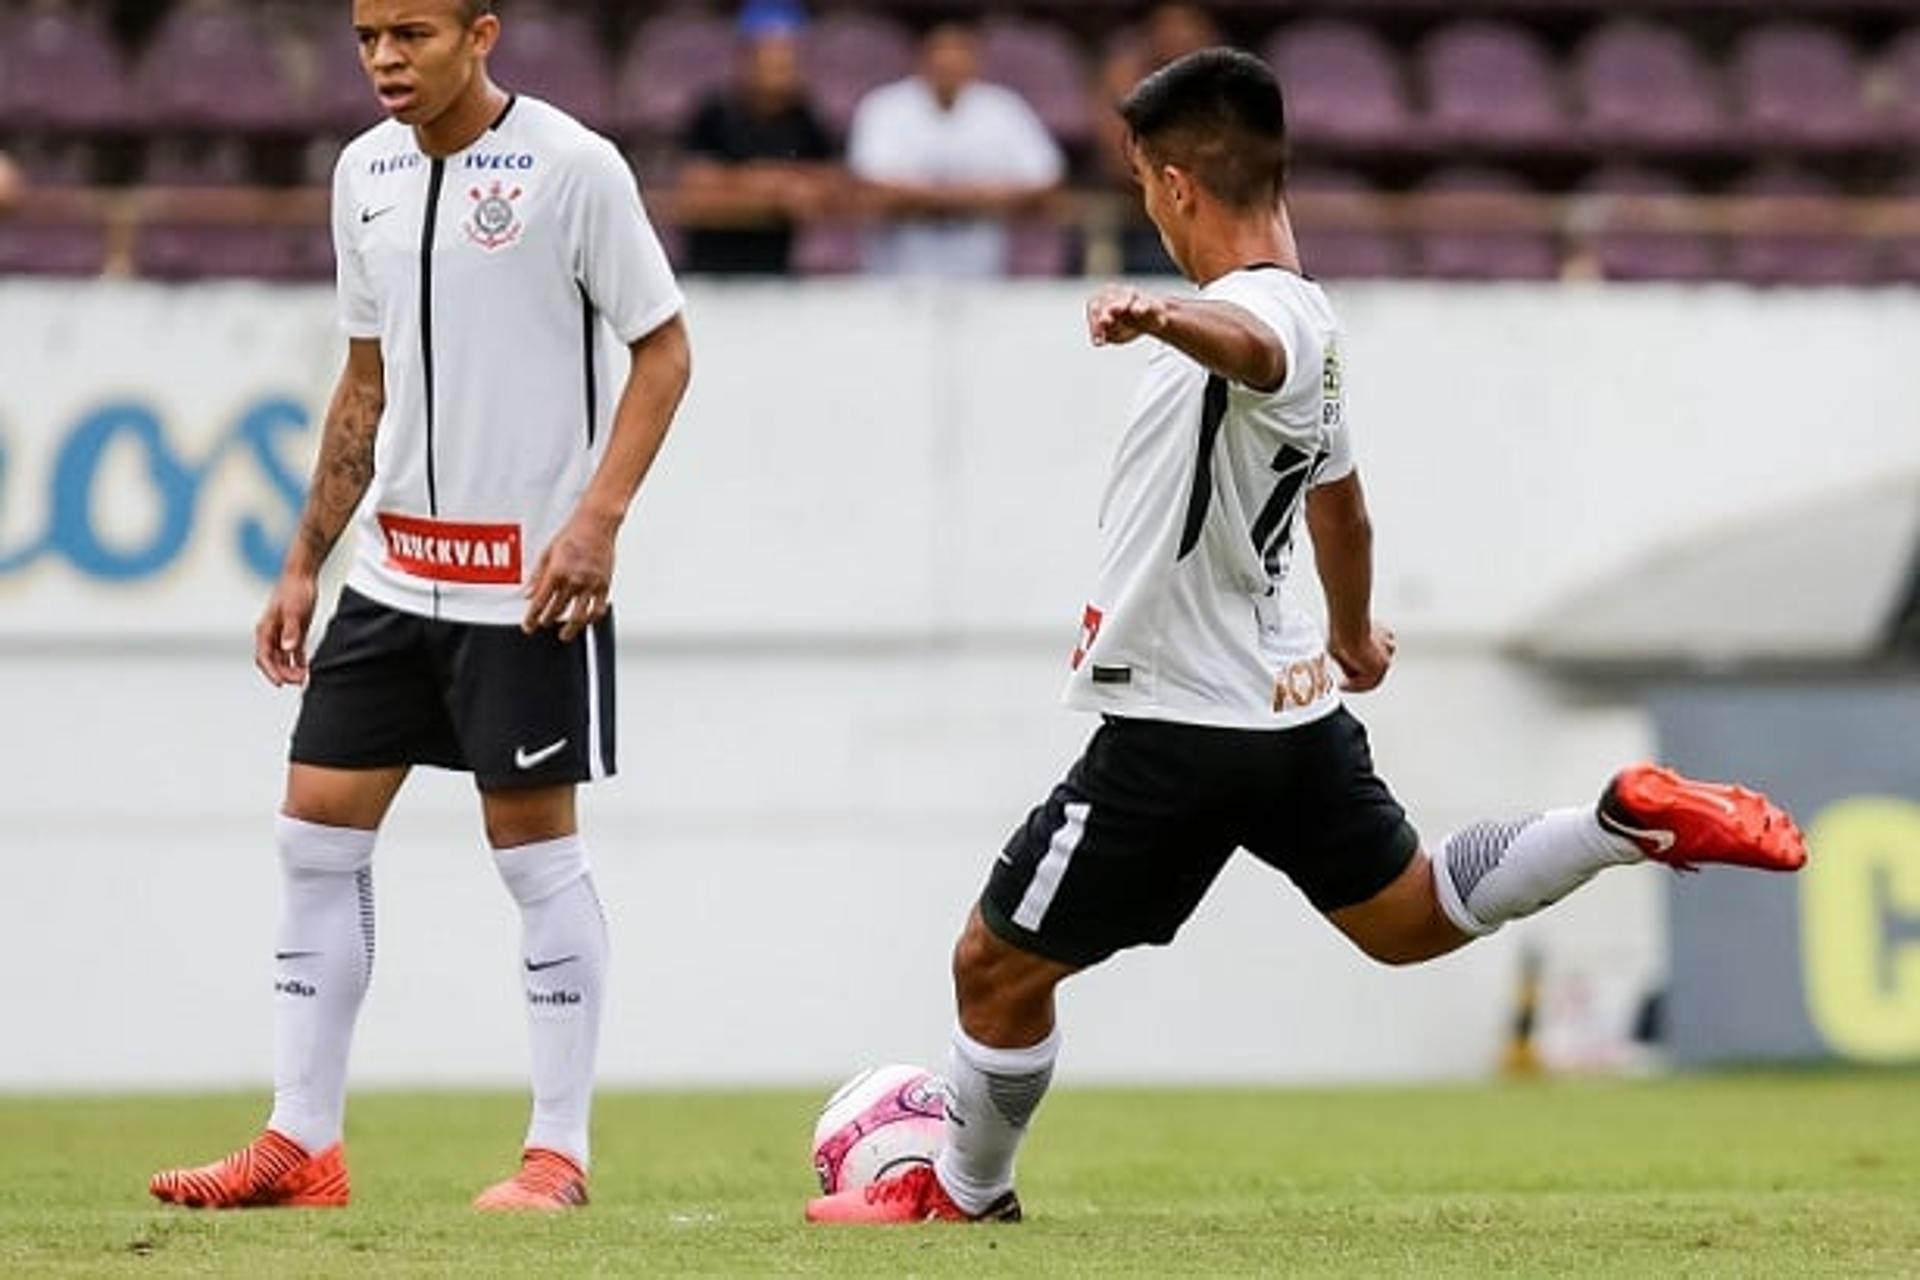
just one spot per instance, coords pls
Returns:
(1223, 719)
(515, 357)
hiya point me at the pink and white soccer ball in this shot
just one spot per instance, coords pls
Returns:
(878, 1124)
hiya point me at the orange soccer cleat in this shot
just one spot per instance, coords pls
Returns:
(1684, 823)
(913, 1196)
(272, 1171)
(547, 1182)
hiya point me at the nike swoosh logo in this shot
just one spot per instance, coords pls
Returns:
(535, 966)
(293, 955)
(525, 759)
(368, 215)
(1662, 840)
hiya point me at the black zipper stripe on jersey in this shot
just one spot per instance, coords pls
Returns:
(1213, 410)
(427, 224)
(587, 318)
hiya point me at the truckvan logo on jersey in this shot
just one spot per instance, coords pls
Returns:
(452, 551)
(495, 224)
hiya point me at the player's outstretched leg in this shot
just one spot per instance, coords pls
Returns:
(564, 958)
(323, 963)
(1492, 872)
(999, 1069)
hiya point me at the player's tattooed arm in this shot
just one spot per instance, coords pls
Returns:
(1225, 338)
(340, 478)
(344, 468)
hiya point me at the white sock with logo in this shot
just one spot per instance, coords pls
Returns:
(322, 964)
(992, 1095)
(1492, 872)
(563, 940)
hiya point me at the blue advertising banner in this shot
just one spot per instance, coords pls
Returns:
(1826, 963)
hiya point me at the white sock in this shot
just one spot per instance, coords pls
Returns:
(1492, 872)
(322, 964)
(563, 939)
(992, 1094)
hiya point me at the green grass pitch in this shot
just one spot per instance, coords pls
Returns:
(1777, 1175)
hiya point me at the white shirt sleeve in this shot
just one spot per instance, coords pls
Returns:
(879, 141)
(359, 305)
(1312, 386)
(1340, 461)
(1245, 291)
(616, 255)
(1030, 152)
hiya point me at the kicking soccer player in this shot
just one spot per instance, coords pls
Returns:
(498, 278)
(1223, 723)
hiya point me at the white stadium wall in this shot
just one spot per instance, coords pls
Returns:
(845, 602)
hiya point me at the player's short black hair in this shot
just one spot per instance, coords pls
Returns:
(473, 10)
(1219, 115)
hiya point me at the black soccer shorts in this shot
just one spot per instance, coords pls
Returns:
(1123, 851)
(388, 688)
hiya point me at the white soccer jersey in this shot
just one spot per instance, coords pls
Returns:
(504, 284)
(1188, 621)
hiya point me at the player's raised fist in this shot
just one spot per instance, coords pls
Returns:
(1364, 662)
(1120, 313)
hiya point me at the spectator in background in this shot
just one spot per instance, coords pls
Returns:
(1169, 32)
(946, 159)
(758, 160)
(11, 185)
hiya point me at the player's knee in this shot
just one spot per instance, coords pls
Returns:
(1395, 953)
(1415, 942)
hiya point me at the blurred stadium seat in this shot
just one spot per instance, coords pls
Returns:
(1490, 83)
(1336, 253)
(1902, 84)
(1342, 84)
(1042, 64)
(63, 73)
(830, 248)
(850, 54)
(555, 55)
(1648, 255)
(673, 62)
(1565, 101)
(1485, 254)
(33, 248)
(1784, 245)
(1644, 85)
(203, 71)
(1800, 83)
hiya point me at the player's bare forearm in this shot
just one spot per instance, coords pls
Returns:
(344, 468)
(1342, 535)
(341, 475)
(1227, 340)
(1221, 336)
(1343, 554)
(573, 583)
(662, 367)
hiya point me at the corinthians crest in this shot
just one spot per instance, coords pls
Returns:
(495, 222)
